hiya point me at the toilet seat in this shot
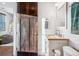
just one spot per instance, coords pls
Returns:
(69, 51)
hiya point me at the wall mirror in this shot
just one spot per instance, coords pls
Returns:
(6, 31)
(61, 15)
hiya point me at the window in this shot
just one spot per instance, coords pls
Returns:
(2, 22)
(75, 18)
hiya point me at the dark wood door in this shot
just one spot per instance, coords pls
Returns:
(33, 8)
(29, 8)
(22, 7)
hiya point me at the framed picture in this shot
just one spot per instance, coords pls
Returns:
(75, 18)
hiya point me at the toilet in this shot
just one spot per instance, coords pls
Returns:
(69, 51)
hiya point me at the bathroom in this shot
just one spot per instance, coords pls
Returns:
(51, 24)
(56, 24)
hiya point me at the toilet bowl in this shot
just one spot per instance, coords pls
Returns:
(69, 51)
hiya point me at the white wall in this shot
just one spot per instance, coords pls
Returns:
(10, 5)
(74, 39)
(46, 10)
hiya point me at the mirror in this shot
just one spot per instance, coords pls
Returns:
(6, 31)
(61, 16)
(6, 27)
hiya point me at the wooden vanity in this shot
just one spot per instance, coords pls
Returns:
(6, 50)
(57, 42)
(6, 45)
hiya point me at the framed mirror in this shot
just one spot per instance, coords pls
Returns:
(61, 15)
(7, 46)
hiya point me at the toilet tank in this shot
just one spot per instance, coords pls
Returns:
(69, 51)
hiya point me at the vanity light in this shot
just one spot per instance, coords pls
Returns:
(46, 23)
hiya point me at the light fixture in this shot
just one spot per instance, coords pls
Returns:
(3, 3)
(59, 4)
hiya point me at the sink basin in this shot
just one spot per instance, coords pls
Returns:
(5, 39)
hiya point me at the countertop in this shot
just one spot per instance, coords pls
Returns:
(10, 44)
(51, 37)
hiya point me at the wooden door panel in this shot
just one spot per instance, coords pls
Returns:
(24, 33)
(33, 34)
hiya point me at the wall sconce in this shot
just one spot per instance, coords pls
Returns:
(46, 23)
(3, 3)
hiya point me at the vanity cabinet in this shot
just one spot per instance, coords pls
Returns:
(29, 8)
(6, 50)
(57, 43)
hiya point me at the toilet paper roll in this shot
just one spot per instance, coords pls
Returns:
(57, 53)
